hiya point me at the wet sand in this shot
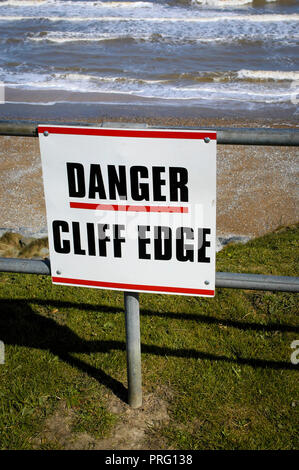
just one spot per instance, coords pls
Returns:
(256, 186)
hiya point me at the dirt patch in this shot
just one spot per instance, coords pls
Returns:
(57, 429)
(134, 429)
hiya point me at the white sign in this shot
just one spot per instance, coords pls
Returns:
(131, 209)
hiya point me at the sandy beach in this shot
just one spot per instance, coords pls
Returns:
(256, 186)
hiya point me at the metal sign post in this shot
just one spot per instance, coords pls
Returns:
(132, 319)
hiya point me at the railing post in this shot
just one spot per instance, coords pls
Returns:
(132, 318)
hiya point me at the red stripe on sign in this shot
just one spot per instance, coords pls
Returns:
(116, 285)
(159, 134)
(116, 207)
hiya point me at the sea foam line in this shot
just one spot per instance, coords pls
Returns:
(203, 92)
(64, 37)
(119, 4)
(208, 19)
(268, 74)
(23, 3)
(224, 3)
(233, 77)
(38, 3)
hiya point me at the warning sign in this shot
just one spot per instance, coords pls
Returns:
(131, 209)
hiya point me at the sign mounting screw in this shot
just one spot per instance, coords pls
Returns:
(58, 272)
(46, 133)
(207, 140)
(207, 283)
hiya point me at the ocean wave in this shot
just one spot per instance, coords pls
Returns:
(174, 94)
(221, 3)
(243, 75)
(95, 3)
(216, 77)
(23, 3)
(61, 37)
(266, 75)
(225, 3)
(97, 79)
(114, 4)
(238, 78)
(171, 87)
(108, 4)
(124, 4)
(140, 49)
(19, 18)
(76, 37)
(261, 18)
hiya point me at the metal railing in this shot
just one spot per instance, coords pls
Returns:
(227, 280)
(225, 135)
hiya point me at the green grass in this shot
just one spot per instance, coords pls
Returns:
(222, 365)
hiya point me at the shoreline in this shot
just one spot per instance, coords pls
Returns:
(95, 106)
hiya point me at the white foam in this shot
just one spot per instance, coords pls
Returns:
(99, 79)
(158, 89)
(120, 4)
(72, 37)
(107, 4)
(61, 37)
(224, 3)
(18, 18)
(268, 18)
(38, 3)
(23, 3)
(268, 74)
(221, 3)
(65, 37)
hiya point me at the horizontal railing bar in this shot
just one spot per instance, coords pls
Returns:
(225, 135)
(29, 128)
(226, 280)
(257, 282)
(253, 136)
(25, 266)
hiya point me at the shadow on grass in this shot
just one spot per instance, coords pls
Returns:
(177, 316)
(20, 325)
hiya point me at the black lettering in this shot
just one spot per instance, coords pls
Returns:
(91, 239)
(117, 181)
(77, 239)
(139, 191)
(117, 240)
(143, 241)
(76, 182)
(203, 243)
(184, 252)
(96, 183)
(178, 178)
(163, 249)
(158, 182)
(103, 239)
(60, 246)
